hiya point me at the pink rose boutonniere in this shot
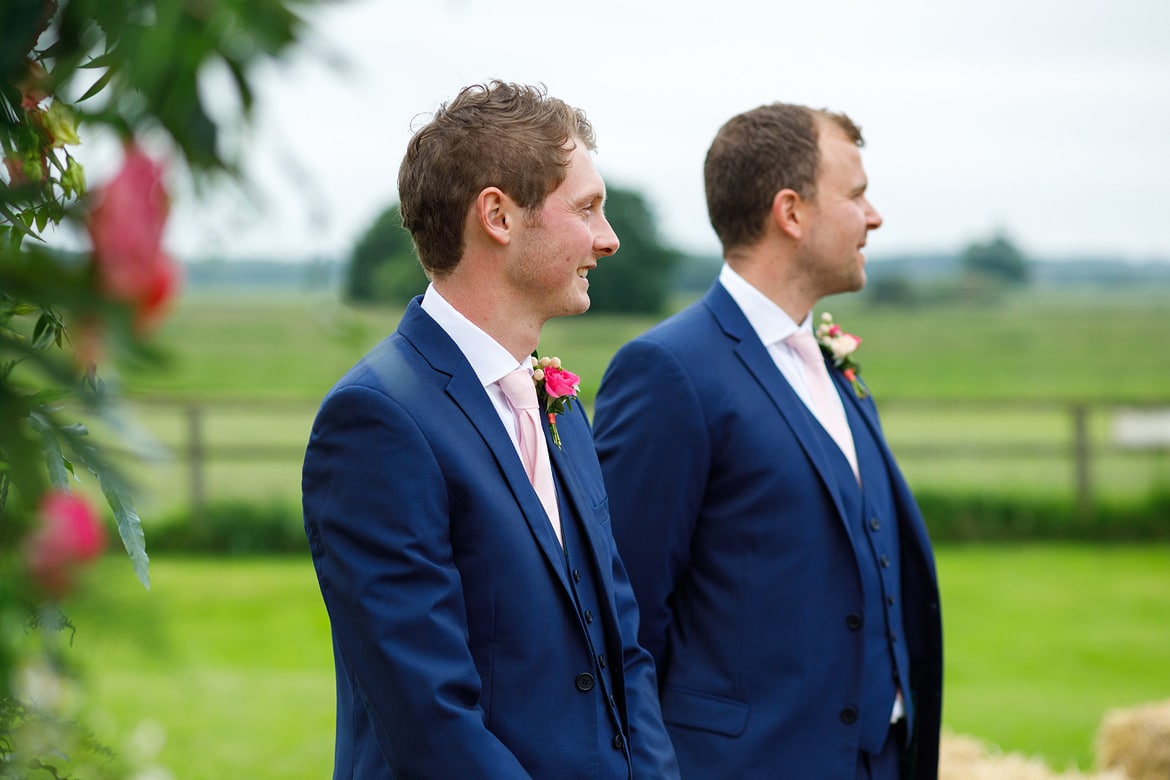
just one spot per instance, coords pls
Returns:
(840, 347)
(555, 389)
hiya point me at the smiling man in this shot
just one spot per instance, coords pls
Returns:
(783, 570)
(483, 625)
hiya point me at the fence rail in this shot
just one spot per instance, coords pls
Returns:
(1081, 444)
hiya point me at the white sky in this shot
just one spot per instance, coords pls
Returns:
(1046, 118)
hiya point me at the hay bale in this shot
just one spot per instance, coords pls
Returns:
(966, 758)
(1136, 740)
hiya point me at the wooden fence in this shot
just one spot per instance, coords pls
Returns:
(1089, 432)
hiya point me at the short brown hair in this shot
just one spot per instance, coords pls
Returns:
(755, 155)
(502, 135)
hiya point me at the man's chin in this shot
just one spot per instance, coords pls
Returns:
(575, 307)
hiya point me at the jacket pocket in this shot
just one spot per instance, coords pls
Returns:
(681, 707)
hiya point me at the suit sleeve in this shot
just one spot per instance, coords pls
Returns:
(376, 514)
(648, 423)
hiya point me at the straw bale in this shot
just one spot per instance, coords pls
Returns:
(1137, 740)
(965, 758)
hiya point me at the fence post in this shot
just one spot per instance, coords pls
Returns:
(1082, 457)
(195, 456)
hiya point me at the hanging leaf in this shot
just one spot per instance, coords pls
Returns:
(54, 460)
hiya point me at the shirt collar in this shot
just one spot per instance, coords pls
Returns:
(487, 357)
(771, 323)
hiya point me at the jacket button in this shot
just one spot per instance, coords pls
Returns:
(619, 742)
(875, 524)
(854, 621)
(849, 715)
(584, 682)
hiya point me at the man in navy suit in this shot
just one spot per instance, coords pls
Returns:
(478, 631)
(785, 580)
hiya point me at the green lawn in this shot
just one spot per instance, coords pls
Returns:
(231, 658)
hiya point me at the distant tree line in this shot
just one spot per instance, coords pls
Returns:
(985, 269)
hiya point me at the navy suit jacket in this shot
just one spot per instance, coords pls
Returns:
(728, 513)
(455, 636)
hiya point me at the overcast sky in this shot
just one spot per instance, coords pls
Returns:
(1048, 119)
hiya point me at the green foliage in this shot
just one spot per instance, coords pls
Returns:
(383, 267)
(994, 517)
(233, 527)
(139, 60)
(637, 280)
(892, 290)
(130, 68)
(997, 261)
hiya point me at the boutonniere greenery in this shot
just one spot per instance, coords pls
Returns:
(555, 390)
(840, 347)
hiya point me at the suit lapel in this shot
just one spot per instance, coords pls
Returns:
(463, 387)
(760, 365)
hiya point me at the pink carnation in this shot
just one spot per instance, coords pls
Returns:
(559, 382)
(68, 536)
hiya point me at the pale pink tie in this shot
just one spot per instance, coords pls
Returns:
(520, 391)
(826, 403)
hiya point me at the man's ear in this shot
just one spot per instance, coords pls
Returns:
(495, 213)
(788, 212)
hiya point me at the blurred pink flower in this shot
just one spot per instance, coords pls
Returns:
(69, 535)
(126, 227)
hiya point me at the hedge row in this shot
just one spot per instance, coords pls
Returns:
(244, 528)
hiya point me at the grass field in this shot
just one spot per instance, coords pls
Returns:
(231, 661)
